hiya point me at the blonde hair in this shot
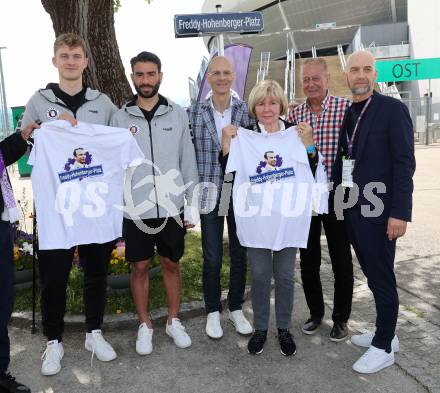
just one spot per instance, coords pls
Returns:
(71, 40)
(265, 89)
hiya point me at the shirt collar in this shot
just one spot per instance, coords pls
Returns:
(211, 103)
(324, 103)
(263, 130)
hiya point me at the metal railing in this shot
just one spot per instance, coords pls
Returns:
(289, 75)
(425, 115)
(342, 57)
(263, 70)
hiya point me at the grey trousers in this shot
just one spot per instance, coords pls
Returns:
(263, 263)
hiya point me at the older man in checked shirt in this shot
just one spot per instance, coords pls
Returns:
(324, 113)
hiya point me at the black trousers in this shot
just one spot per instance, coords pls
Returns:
(340, 255)
(6, 291)
(376, 256)
(54, 266)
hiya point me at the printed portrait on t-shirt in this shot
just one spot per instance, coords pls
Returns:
(80, 166)
(271, 162)
(81, 159)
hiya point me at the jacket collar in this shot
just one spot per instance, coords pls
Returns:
(166, 106)
(48, 93)
(365, 124)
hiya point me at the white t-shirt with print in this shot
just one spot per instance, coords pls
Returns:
(80, 204)
(274, 189)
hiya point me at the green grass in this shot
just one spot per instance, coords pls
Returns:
(191, 268)
(419, 313)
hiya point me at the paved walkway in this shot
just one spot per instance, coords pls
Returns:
(319, 366)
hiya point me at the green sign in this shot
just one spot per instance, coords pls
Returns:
(408, 70)
(17, 113)
(23, 168)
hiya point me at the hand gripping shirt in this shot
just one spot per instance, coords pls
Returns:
(274, 191)
(78, 182)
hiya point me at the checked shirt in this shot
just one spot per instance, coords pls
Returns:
(326, 126)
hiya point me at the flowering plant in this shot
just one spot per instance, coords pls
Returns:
(118, 265)
(23, 251)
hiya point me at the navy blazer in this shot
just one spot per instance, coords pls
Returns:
(385, 154)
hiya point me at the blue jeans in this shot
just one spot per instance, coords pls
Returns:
(6, 291)
(212, 226)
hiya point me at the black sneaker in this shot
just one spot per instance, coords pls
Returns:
(310, 326)
(339, 332)
(287, 345)
(8, 384)
(256, 342)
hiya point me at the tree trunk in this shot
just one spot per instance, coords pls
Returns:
(94, 21)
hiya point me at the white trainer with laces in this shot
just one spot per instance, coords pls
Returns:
(144, 345)
(373, 360)
(96, 344)
(213, 327)
(176, 331)
(364, 340)
(52, 358)
(242, 325)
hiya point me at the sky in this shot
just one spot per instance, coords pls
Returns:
(26, 30)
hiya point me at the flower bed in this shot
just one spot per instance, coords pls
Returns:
(191, 266)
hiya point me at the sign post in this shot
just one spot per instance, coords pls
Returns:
(220, 41)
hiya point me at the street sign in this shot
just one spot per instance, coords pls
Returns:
(194, 25)
(328, 25)
(408, 70)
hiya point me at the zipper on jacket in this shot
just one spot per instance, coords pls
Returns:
(154, 171)
(61, 103)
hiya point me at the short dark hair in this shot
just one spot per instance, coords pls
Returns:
(270, 151)
(78, 148)
(146, 57)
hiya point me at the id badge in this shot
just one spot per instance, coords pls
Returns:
(347, 172)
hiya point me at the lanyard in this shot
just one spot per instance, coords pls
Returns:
(317, 136)
(351, 140)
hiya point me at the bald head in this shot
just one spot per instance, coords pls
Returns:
(219, 60)
(220, 76)
(360, 74)
(363, 56)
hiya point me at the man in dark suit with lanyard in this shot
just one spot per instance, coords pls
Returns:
(376, 164)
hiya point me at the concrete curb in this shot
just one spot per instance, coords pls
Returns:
(125, 320)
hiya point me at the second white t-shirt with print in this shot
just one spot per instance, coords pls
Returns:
(274, 190)
(77, 180)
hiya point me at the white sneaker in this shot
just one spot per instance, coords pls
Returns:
(144, 345)
(52, 358)
(213, 328)
(373, 360)
(96, 344)
(177, 332)
(240, 322)
(364, 340)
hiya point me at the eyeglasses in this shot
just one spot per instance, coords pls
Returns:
(221, 73)
(314, 79)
